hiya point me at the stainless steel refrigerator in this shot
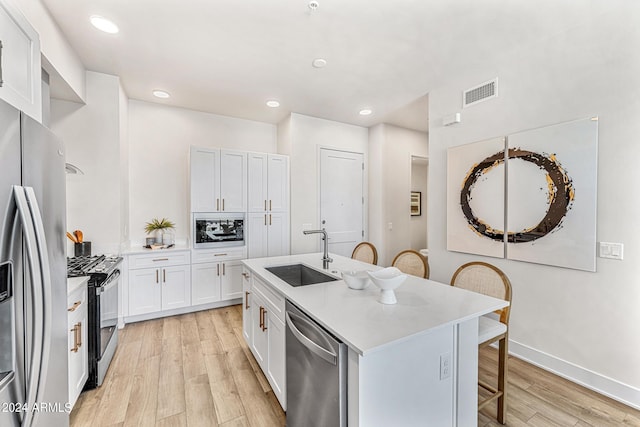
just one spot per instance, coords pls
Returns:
(33, 318)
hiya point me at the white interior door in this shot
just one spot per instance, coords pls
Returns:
(342, 199)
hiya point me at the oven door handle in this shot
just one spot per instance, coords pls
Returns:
(109, 283)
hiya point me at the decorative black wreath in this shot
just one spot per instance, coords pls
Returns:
(561, 195)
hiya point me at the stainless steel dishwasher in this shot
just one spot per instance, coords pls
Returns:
(316, 373)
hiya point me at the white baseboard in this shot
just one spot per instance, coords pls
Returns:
(609, 387)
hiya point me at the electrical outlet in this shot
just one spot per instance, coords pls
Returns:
(445, 366)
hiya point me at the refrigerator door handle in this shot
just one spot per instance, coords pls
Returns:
(33, 229)
(7, 380)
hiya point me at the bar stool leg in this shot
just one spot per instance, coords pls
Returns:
(503, 354)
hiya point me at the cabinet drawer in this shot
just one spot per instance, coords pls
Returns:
(163, 259)
(274, 301)
(218, 255)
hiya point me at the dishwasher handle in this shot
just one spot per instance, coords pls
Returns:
(307, 342)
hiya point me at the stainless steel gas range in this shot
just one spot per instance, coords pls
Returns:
(102, 331)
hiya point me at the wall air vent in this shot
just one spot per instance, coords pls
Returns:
(480, 93)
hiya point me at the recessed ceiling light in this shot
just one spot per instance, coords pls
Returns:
(161, 94)
(319, 63)
(103, 24)
(365, 112)
(273, 104)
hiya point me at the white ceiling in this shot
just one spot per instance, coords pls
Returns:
(230, 56)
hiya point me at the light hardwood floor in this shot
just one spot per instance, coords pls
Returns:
(196, 370)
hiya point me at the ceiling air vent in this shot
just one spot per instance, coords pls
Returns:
(480, 93)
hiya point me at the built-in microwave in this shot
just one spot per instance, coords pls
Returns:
(216, 230)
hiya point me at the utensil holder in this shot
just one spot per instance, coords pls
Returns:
(82, 249)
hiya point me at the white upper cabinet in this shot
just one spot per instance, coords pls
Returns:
(218, 180)
(268, 183)
(205, 180)
(20, 71)
(257, 182)
(278, 183)
(233, 181)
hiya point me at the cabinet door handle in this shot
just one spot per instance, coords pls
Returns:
(261, 316)
(160, 259)
(264, 319)
(269, 219)
(265, 219)
(217, 204)
(270, 204)
(75, 338)
(75, 348)
(245, 275)
(265, 205)
(1, 82)
(224, 273)
(75, 305)
(79, 334)
(246, 300)
(219, 254)
(218, 269)
(164, 275)
(157, 279)
(222, 204)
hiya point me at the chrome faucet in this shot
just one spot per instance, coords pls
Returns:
(325, 257)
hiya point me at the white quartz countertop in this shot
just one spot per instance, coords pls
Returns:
(74, 283)
(131, 250)
(358, 319)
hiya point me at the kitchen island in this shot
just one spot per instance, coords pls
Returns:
(411, 363)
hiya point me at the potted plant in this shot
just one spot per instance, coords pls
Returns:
(159, 227)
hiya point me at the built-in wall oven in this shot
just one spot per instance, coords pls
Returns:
(102, 328)
(216, 230)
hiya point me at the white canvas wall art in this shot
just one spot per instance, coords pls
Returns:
(551, 196)
(542, 192)
(475, 198)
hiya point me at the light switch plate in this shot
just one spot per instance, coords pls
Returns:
(611, 250)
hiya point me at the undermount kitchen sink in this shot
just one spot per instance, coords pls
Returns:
(299, 274)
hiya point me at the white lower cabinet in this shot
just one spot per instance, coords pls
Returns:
(216, 275)
(216, 281)
(77, 340)
(276, 371)
(205, 283)
(159, 282)
(266, 337)
(260, 337)
(231, 280)
(247, 323)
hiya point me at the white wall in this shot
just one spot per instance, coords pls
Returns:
(377, 192)
(159, 141)
(390, 176)
(418, 223)
(306, 136)
(583, 325)
(123, 110)
(91, 133)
